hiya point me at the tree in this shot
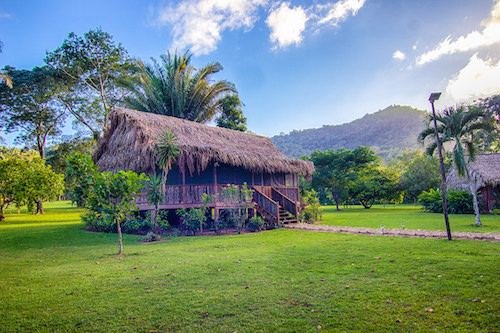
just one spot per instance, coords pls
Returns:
(11, 174)
(418, 173)
(3, 75)
(29, 107)
(58, 154)
(167, 150)
(25, 179)
(91, 65)
(175, 88)
(335, 168)
(231, 114)
(79, 178)
(113, 195)
(39, 183)
(374, 183)
(459, 126)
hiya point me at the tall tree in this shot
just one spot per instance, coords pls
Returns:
(231, 115)
(175, 88)
(29, 107)
(335, 168)
(91, 66)
(459, 126)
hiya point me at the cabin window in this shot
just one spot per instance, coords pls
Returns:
(267, 179)
(242, 176)
(225, 174)
(174, 176)
(205, 177)
(291, 180)
(278, 180)
(257, 179)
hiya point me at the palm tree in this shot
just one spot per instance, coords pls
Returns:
(459, 126)
(167, 150)
(154, 195)
(175, 88)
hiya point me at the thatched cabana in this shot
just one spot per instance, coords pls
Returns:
(485, 171)
(210, 157)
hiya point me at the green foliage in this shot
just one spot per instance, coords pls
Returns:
(175, 88)
(112, 196)
(192, 218)
(30, 107)
(79, 178)
(167, 151)
(231, 114)
(240, 198)
(459, 202)
(91, 67)
(311, 211)
(154, 195)
(418, 172)
(388, 132)
(57, 155)
(25, 181)
(372, 184)
(98, 221)
(256, 223)
(335, 168)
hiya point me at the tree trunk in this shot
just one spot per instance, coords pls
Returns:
(2, 212)
(120, 241)
(473, 191)
(39, 207)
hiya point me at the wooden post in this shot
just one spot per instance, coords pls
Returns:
(184, 186)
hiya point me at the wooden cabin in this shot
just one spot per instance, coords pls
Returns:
(210, 158)
(485, 170)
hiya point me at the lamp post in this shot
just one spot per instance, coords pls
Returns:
(434, 97)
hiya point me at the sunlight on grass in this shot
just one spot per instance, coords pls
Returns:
(413, 217)
(58, 277)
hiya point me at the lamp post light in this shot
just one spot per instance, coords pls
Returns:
(434, 97)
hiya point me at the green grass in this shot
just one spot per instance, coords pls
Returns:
(391, 216)
(56, 277)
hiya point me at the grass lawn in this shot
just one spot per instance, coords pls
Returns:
(414, 217)
(56, 277)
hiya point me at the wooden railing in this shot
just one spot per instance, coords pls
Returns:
(291, 193)
(267, 204)
(287, 204)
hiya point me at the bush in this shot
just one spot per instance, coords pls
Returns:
(162, 220)
(312, 212)
(192, 218)
(98, 222)
(138, 222)
(256, 223)
(459, 202)
(151, 237)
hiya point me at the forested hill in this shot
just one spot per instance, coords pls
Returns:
(389, 132)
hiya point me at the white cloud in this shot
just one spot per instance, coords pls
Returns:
(198, 25)
(488, 36)
(479, 78)
(339, 11)
(399, 55)
(287, 25)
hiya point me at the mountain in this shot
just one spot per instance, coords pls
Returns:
(389, 132)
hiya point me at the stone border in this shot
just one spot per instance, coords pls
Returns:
(489, 236)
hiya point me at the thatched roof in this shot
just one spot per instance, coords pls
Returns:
(486, 171)
(129, 144)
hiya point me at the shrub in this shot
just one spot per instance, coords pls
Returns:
(137, 222)
(151, 237)
(192, 218)
(98, 222)
(312, 212)
(162, 220)
(256, 223)
(459, 202)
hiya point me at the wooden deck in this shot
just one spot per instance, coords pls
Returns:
(268, 201)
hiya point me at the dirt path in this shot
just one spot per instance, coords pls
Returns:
(490, 236)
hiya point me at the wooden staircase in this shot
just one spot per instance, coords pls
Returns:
(279, 209)
(286, 217)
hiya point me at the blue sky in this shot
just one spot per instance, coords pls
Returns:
(296, 64)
